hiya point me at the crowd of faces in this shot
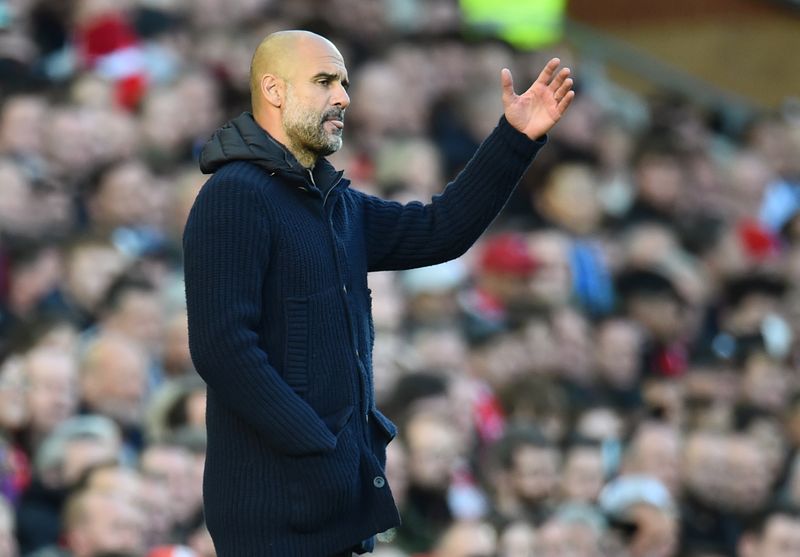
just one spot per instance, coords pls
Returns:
(610, 371)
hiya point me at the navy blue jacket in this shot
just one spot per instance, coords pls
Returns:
(280, 327)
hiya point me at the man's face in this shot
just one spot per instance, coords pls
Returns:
(53, 389)
(432, 452)
(534, 473)
(140, 317)
(316, 99)
(781, 537)
(113, 525)
(14, 409)
(22, 124)
(174, 465)
(91, 270)
(114, 381)
(8, 543)
(659, 314)
(123, 197)
(82, 454)
(583, 474)
(617, 352)
(552, 283)
(658, 453)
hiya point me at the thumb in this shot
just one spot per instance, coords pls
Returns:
(508, 86)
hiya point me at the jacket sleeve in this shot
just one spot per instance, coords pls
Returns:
(226, 254)
(416, 235)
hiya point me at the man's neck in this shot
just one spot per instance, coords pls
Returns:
(306, 158)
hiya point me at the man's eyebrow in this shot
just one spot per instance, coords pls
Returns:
(331, 76)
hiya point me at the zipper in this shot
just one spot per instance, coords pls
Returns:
(327, 193)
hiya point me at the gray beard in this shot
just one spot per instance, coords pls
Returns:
(306, 132)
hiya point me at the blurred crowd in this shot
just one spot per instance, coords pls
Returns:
(611, 371)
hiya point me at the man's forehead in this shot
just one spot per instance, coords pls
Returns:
(325, 63)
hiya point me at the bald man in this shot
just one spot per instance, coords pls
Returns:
(277, 249)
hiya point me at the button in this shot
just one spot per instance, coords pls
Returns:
(344, 288)
(378, 482)
(357, 354)
(366, 417)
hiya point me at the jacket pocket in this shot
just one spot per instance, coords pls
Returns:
(385, 425)
(326, 485)
(296, 356)
(382, 431)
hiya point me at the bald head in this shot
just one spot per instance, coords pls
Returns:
(298, 84)
(278, 55)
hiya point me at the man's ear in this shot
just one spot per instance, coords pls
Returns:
(272, 89)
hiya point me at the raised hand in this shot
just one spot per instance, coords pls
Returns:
(536, 110)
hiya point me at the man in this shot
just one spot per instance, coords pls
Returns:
(467, 539)
(583, 475)
(277, 250)
(114, 381)
(529, 468)
(775, 532)
(72, 448)
(99, 523)
(433, 455)
(52, 377)
(655, 450)
(8, 543)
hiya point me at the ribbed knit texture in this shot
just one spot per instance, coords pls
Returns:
(280, 328)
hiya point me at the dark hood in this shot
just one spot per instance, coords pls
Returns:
(242, 139)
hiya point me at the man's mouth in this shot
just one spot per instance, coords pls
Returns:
(336, 119)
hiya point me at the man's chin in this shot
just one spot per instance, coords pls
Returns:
(331, 147)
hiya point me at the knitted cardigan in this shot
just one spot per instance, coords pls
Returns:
(280, 328)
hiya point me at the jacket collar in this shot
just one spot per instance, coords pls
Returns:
(242, 139)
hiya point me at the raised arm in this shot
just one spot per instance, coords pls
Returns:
(226, 250)
(413, 235)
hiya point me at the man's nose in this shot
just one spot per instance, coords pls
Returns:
(341, 98)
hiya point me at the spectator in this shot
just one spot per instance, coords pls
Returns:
(433, 453)
(642, 510)
(465, 539)
(62, 458)
(114, 382)
(773, 533)
(573, 529)
(518, 539)
(583, 474)
(655, 450)
(96, 523)
(173, 466)
(92, 266)
(14, 415)
(618, 360)
(528, 476)
(52, 379)
(8, 542)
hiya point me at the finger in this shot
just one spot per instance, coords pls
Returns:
(548, 71)
(563, 89)
(507, 82)
(565, 101)
(559, 79)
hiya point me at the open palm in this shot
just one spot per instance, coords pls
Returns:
(536, 110)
